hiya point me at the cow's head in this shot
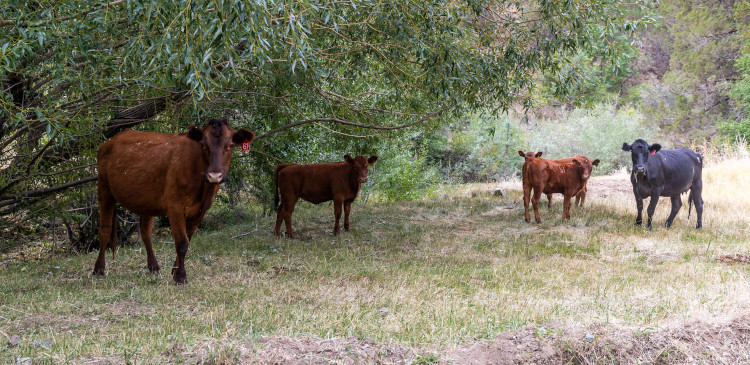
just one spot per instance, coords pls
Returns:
(217, 139)
(529, 156)
(585, 166)
(361, 165)
(639, 152)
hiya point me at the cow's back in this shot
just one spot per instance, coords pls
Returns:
(316, 183)
(145, 171)
(677, 170)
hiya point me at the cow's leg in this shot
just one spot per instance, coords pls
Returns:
(337, 205)
(106, 228)
(549, 201)
(526, 198)
(676, 205)
(181, 243)
(652, 206)
(639, 206)
(696, 192)
(581, 197)
(347, 210)
(146, 225)
(535, 203)
(288, 208)
(279, 220)
(567, 198)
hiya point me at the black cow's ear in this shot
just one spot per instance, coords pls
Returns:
(195, 133)
(348, 159)
(371, 160)
(626, 147)
(538, 154)
(654, 148)
(595, 162)
(520, 153)
(243, 135)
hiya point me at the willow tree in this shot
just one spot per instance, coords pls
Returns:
(73, 73)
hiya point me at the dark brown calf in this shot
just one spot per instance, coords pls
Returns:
(581, 196)
(548, 177)
(155, 174)
(318, 183)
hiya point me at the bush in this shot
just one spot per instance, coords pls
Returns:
(595, 133)
(400, 175)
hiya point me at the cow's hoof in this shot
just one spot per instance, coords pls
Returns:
(98, 271)
(637, 223)
(180, 278)
(154, 269)
(667, 224)
(699, 226)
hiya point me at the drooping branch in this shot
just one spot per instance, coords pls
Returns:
(344, 122)
(42, 193)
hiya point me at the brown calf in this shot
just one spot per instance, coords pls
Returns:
(550, 176)
(155, 174)
(581, 196)
(318, 183)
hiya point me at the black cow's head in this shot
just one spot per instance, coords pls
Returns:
(528, 156)
(361, 165)
(217, 139)
(639, 152)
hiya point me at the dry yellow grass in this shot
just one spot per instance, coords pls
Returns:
(445, 270)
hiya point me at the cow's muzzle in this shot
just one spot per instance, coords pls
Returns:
(363, 180)
(215, 177)
(640, 170)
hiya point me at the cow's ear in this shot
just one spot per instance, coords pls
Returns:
(349, 159)
(626, 147)
(243, 135)
(195, 133)
(520, 153)
(654, 148)
(576, 162)
(538, 154)
(371, 160)
(595, 162)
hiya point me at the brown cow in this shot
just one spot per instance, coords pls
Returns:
(581, 196)
(155, 174)
(550, 176)
(318, 183)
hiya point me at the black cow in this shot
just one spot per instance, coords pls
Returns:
(658, 172)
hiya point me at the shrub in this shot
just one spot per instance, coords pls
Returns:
(595, 133)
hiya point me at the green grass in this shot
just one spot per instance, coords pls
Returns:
(460, 267)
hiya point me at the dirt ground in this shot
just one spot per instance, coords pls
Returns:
(690, 343)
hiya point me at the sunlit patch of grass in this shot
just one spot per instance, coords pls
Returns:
(458, 267)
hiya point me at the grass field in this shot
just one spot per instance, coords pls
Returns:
(428, 275)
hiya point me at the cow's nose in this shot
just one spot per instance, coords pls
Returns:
(215, 177)
(363, 179)
(639, 168)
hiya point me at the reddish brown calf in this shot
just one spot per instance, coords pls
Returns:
(155, 174)
(550, 176)
(318, 183)
(581, 196)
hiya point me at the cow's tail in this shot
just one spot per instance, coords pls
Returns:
(690, 203)
(276, 187)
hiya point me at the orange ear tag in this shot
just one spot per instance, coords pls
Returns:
(371, 164)
(246, 145)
